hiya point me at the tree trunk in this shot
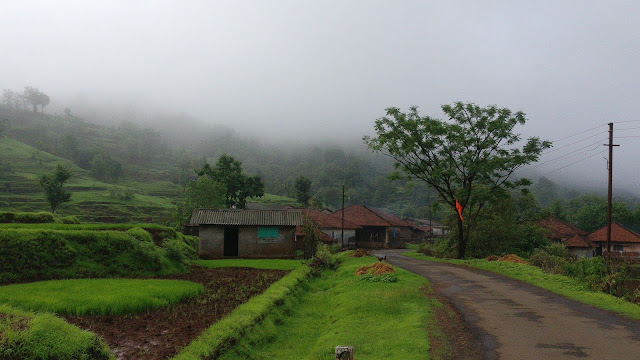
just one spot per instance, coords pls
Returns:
(462, 241)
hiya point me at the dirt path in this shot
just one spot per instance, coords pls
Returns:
(514, 320)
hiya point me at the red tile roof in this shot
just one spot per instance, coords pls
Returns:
(328, 221)
(579, 241)
(321, 235)
(558, 229)
(619, 234)
(364, 216)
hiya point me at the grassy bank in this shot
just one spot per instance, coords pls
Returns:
(97, 296)
(559, 284)
(27, 335)
(247, 315)
(274, 264)
(381, 320)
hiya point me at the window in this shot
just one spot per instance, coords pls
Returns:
(267, 232)
(619, 248)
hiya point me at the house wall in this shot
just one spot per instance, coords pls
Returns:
(367, 233)
(211, 245)
(402, 235)
(349, 235)
(582, 252)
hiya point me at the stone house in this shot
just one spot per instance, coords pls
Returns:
(246, 233)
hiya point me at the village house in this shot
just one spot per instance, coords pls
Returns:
(378, 229)
(625, 243)
(246, 233)
(575, 239)
(330, 227)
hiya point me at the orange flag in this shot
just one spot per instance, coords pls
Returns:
(459, 208)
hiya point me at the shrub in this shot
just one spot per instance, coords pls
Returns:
(385, 278)
(335, 248)
(50, 254)
(26, 218)
(323, 259)
(549, 263)
(68, 220)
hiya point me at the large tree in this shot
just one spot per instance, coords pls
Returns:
(228, 172)
(36, 98)
(469, 158)
(53, 186)
(302, 187)
(202, 193)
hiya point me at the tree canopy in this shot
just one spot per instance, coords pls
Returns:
(240, 186)
(202, 193)
(53, 186)
(469, 158)
(302, 187)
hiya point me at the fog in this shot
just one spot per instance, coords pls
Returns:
(310, 71)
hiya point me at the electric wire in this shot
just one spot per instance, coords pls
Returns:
(575, 162)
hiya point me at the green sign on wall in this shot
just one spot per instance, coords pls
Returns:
(267, 232)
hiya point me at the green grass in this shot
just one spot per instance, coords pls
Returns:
(274, 199)
(381, 320)
(35, 336)
(243, 317)
(562, 285)
(97, 296)
(54, 226)
(275, 264)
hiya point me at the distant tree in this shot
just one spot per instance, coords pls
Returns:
(239, 186)
(104, 168)
(302, 188)
(36, 98)
(202, 193)
(10, 99)
(591, 217)
(468, 160)
(67, 112)
(559, 210)
(316, 203)
(3, 124)
(53, 186)
(545, 190)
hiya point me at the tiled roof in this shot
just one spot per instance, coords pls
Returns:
(327, 221)
(246, 217)
(558, 229)
(364, 216)
(321, 235)
(619, 234)
(579, 241)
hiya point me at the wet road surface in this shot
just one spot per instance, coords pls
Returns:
(515, 320)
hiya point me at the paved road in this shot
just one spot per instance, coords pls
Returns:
(514, 320)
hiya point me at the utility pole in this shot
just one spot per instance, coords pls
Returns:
(342, 225)
(609, 197)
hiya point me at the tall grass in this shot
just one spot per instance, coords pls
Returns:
(97, 296)
(35, 336)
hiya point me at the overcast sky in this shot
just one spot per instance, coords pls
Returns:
(329, 68)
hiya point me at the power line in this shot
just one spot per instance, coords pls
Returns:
(627, 121)
(573, 143)
(633, 128)
(624, 137)
(575, 162)
(568, 154)
(576, 134)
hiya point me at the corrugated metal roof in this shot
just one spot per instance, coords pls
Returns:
(247, 217)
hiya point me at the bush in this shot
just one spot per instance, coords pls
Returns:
(323, 259)
(385, 278)
(335, 248)
(26, 218)
(68, 220)
(51, 254)
(549, 263)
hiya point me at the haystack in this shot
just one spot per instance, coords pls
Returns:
(514, 259)
(359, 253)
(376, 269)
